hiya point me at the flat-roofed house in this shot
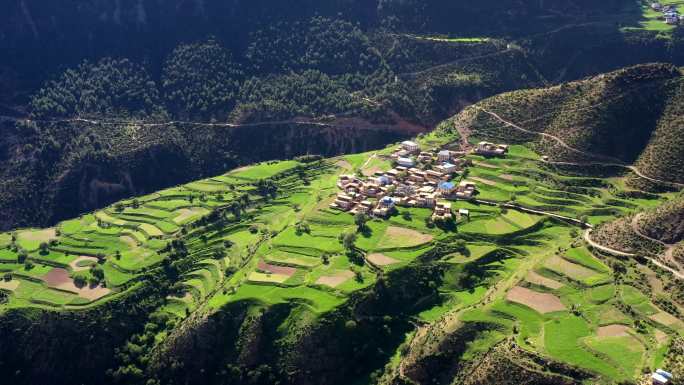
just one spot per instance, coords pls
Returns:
(352, 187)
(465, 190)
(372, 190)
(447, 168)
(425, 157)
(491, 149)
(384, 207)
(406, 162)
(342, 202)
(410, 146)
(363, 207)
(442, 211)
(444, 156)
(446, 188)
(433, 175)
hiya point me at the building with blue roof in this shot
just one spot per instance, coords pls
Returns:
(446, 188)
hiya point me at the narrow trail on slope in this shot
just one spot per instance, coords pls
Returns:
(166, 123)
(668, 253)
(446, 65)
(587, 238)
(611, 161)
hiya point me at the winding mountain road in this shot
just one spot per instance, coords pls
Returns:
(587, 238)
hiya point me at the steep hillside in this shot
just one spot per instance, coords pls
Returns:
(665, 223)
(261, 276)
(657, 232)
(402, 66)
(630, 116)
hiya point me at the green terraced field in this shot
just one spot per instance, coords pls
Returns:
(220, 250)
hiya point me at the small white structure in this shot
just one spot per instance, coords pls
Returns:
(672, 19)
(661, 377)
(656, 6)
(406, 162)
(410, 146)
(464, 213)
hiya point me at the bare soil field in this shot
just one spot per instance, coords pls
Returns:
(541, 302)
(403, 237)
(370, 171)
(380, 259)
(508, 177)
(661, 336)
(38, 235)
(488, 182)
(666, 319)
(9, 285)
(540, 280)
(127, 239)
(343, 164)
(486, 165)
(336, 279)
(58, 278)
(275, 269)
(613, 331)
(185, 213)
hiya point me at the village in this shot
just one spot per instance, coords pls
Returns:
(425, 179)
(670, 13)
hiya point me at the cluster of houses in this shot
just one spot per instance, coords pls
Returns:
(670, 13)
(408, 185)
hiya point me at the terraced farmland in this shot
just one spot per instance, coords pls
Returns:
(260, 246)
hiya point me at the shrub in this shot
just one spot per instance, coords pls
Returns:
(80, 281)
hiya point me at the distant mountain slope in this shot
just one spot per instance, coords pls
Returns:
(630, 116)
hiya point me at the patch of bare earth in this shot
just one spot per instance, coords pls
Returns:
(336, 279)
(241, 169)
(540, 280)
(132, 243)
(488, 182)
(416, 237)
(660, 336)
(380, 259)
(370, 171)
(541, 302)
(75, 263)
(666, 319)
(507, 177)
(613, 331)
(186, 213)
(486, 165)
(39, 235)
(9, 285)
(570, 269)
(58, 278)
(343, 164)
(275, 269)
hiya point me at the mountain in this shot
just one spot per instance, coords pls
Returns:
(367, 73)
(630, 117)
